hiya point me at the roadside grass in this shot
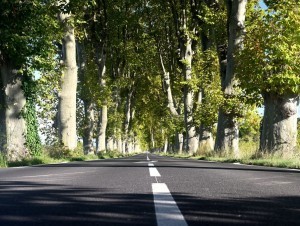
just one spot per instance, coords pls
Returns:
(248, 156)
(56, 154)
(3, 162)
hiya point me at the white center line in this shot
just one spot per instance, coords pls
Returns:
(150, 164)
(148, 158)
(166, 209)
(153, 172)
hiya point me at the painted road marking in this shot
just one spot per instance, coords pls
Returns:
(143, 162)
(148, 158)
(166, 209)
(153, 172)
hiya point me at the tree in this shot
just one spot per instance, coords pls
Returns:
(26, 35)
(66, 115)
(86, 93)
(227, 132)
(186, 30)
(163, 32)
(273, 71)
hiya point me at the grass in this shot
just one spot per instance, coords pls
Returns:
(3, 162)
(55, 154)
(248, 155)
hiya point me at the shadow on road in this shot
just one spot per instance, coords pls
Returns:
(172, 164)
(240, 211)
(29, 203)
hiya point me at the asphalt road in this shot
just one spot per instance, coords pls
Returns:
(151, 190)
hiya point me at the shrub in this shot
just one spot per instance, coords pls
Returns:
(109, 154)
(3, 161)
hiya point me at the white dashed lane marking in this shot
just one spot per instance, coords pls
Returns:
(166, 209)
(154, 172)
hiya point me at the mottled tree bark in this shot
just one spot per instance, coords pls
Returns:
(186, 58)
(185, 30)
(100, 37)
(171, 105)
(227, 132)
(66, 117)
(166, 146)
(88, 144)
(110, 144)
(119, 144)
(179, 142)
(128, 114)
(102, 125)
(13, 126)
(88, 129)
(206, 141)
(279, 126)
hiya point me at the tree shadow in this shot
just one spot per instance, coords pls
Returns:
(240, 211)
(170, 164)
(31, 203)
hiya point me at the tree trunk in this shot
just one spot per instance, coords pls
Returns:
(13, 126)
(152, 138)
(186, 57)
(67, 97)
(119, 144)
(179, 143)
(185, 33)
(166, 146)
(123, 147)
(110, 144)
(102, 124)
(171, 105)
(227, 132)
(206, 141)
(128, 115)
(88, 137)
(279, 127)
(3, 140)
(89, 119)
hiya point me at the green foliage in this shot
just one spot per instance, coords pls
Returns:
(3, 160)
(298, 136)
(109, 154)
(27, 30)
(270, 60)
(135, 33)
(47, 93)
(57, 151)
(206, 69)
(250, 125)
(27, 162)
(248, 157)
(33, 142)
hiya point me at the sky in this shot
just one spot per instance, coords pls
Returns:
(262, 4)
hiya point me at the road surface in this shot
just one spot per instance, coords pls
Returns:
(147, 189)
